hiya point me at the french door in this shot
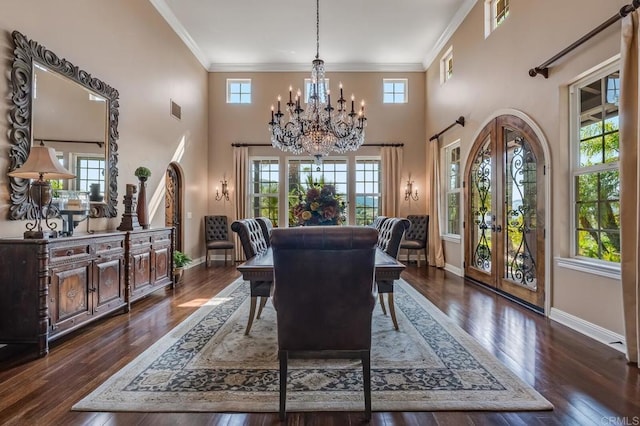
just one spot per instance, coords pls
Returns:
(173, 207)
(505, 216)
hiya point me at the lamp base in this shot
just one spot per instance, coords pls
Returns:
(40, 235)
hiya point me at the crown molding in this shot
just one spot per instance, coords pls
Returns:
(306, 67)
(164, 10)
(457, 20)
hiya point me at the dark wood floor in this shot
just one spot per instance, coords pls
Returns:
(587, 382)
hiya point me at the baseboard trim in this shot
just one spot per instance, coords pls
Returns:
(454, 269)
(602, 335)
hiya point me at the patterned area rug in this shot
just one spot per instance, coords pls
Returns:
(207, 364)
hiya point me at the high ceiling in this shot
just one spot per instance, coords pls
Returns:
(280, 35)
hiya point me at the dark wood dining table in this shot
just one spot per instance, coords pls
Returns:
(260, 268)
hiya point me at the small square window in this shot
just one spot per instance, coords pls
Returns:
(446, 66)
(394, 91)
(310, 89)
(238, 91)
(495, 13)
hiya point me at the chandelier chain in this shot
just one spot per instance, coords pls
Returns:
(317, 29)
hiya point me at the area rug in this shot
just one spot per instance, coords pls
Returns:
(207, 364)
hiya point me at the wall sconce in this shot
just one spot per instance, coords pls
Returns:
(225, 191)
(409, 193)
(41, 164)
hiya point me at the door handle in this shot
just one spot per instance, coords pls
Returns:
(499, 228)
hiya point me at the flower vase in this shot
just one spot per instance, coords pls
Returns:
(141, 209)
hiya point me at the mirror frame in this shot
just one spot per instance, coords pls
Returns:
(27, 52)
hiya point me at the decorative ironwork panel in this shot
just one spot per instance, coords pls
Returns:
(482, 216)
(520, 211)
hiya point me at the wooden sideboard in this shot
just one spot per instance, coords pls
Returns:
(49, 288)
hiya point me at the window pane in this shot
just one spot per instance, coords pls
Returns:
(264, 188)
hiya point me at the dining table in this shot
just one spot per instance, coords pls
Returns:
(260, 267)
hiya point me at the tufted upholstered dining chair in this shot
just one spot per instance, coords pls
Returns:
(267, 226)
(378, 221)
(216, 236)
(417, 236)
(324, 296)
(389, 238)
(253, 244)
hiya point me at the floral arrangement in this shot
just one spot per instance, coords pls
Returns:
(319, 206)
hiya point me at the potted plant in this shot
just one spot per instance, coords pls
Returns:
(142, 173)
(180, 260)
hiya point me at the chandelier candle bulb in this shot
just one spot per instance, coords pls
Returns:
(290, 89)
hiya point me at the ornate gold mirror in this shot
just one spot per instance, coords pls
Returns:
(64, 107)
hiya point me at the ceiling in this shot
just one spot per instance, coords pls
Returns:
(280, 35)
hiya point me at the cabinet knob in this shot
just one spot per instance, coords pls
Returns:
(69, 252)
(108, 246)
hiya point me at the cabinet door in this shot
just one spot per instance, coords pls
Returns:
(108, 282)
(69, 295)
(161, 262)
(141, 271)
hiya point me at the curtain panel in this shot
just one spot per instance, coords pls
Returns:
(629, 182)
(433, 191)
(240, 174)
(391, 157)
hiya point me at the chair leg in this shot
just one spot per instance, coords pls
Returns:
(366, 376)
(206, 259)
(417, 251)
(384, 311)
(392, 309)
(252, 311)
(283, 356)
(426, 254)
(263, 301)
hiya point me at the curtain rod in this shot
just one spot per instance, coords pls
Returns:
(99, 143)
(237, 144)
(459, 121)
(624, 11)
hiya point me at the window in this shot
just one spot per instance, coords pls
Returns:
(452, 189)
(310, 89)
(446, 66)
(495, 12)
(304, 173)
(394, 91)
(367, 190)
(264, 188)
(595, 173)
(89, 170)
(238, 91)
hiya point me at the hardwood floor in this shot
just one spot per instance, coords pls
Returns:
(587, 382)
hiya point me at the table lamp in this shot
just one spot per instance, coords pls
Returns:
(41, 165)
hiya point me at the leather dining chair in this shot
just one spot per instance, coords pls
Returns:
(216, 236)
(324, 296)
(417, 236)
(253, 243)
(267, 226)
(389, 238)
(378, 221)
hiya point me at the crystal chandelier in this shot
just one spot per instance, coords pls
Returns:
(322, 128)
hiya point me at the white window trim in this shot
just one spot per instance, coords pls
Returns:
(404, 81)
(248, 193)
(575, 262)
(444, 215)
(307, 86)
(443, 65)
(241, 81)
(377, 158)
(490, 19)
